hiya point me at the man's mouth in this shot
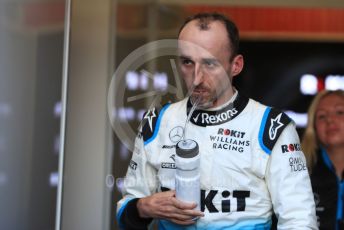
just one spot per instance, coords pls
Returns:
(199, 91)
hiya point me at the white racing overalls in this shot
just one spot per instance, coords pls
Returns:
(251, 166)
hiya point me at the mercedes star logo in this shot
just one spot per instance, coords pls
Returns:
(176, 134)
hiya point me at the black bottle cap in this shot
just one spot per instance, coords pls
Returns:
(187, 148)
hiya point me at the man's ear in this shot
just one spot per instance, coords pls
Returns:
(237, 65)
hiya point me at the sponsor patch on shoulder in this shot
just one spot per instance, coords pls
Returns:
(151, 122)
(273, 123)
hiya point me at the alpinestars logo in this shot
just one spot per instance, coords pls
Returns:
(149, 116)
(275, 125)
(207, 119)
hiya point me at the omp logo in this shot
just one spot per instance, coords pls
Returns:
(217, 118)
(275, 125)
(207, 200)
(291, 148)
(232, 133)
(168, 165)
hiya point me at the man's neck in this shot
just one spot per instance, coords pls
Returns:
(226, 103)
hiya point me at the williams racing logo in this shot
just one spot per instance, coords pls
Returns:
(229, 139)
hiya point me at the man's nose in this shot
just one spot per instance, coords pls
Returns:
(198, 75)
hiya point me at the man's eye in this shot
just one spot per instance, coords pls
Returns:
(210, 63)
(186, 62)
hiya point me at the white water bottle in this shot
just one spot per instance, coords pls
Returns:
(187, 179)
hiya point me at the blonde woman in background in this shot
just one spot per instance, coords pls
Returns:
(323, 146)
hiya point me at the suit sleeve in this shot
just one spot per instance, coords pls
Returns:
(140, 181)
(289, 183)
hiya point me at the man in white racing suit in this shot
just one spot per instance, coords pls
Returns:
(251, 161)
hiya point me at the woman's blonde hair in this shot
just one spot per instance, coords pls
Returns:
(310, 143)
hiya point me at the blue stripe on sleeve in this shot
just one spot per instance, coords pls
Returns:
(261, 131)
(119, 214)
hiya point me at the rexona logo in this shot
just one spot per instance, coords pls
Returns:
(232, 133)
(215, 119)
(207, 198)
(291, 148)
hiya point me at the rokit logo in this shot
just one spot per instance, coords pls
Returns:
(216, 118)
(239, 195)
(291, 148)
(232, 133)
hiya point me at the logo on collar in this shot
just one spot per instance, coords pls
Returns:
(206, 118)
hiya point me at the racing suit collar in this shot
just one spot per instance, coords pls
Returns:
(218, 115)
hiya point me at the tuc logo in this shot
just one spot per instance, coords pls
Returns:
(291, 148)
